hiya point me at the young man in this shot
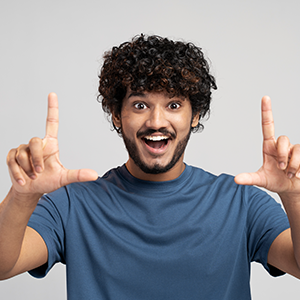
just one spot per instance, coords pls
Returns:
(154, 228)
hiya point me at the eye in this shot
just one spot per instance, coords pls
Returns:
(140, 105)
(174, 105)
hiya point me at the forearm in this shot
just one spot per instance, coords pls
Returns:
(292, 208)
(15, 212)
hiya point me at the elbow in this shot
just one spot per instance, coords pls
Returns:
(4, 276)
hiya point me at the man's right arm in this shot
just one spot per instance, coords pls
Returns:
(35, 169)
(21, 247)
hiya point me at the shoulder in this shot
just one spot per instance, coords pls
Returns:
(206, 178)
(224, 185)
(82, 190)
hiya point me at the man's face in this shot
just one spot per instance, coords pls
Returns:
(155, 129)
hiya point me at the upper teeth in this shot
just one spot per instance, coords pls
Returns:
(156, 137)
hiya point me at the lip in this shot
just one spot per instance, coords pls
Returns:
(142, 134)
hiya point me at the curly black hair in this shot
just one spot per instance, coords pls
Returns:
(154, 63)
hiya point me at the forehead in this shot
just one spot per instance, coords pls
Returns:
(152, 95)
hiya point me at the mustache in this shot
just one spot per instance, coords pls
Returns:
(141, 133)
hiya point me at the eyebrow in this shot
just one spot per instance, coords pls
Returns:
(143, 95)
(137, 94)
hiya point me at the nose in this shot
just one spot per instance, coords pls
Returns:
(157, 119)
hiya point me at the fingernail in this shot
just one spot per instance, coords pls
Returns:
(290, 175)
(20, 181)
(282, 165)
(38, 169)
(33, 176)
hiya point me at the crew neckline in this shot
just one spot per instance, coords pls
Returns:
(159, 186)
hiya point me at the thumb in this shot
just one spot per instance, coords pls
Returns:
(79, 176)
(248, 179)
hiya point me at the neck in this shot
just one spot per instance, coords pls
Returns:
(173, 173)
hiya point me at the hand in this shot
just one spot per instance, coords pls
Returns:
(280, 171)
(35, 168)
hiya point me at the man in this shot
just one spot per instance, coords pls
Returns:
(154, 228)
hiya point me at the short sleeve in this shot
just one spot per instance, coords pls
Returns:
(49, 219)
(265, 221)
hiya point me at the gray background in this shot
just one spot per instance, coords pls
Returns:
(57, 46)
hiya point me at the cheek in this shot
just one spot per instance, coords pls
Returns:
(130, 126)
(183, 123)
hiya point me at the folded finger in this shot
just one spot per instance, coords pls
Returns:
(283, 152)
(36, 151)
(294, 163)
(24, 161)
(14, 168)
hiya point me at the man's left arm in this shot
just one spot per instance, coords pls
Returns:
(280, 173)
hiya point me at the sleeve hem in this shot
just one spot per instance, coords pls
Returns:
(273, 271)
(41, 271)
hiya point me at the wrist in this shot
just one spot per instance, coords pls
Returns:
(291, 202)
(24, 199)
(289, 196)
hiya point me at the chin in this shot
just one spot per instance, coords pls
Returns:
(155, 169)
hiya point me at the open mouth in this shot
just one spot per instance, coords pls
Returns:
(156, 142)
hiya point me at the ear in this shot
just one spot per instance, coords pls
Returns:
(195, 119)
(117, 120)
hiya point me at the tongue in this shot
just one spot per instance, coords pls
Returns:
(156, 144)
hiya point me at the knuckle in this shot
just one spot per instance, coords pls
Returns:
(22, 156)
(34, 141)
(282, 156)
(11, 156)
(292, 168)
(283, 139)
(293, 165)
(297, 148)
(21, 147)
(10, 161)
(16, 175)
(36, 160)
(282, 159)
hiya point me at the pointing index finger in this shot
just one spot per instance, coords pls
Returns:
(267, 119)
(52, 116)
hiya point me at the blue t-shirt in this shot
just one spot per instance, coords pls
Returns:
(190, 238)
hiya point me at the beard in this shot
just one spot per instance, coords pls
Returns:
(156, 168)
